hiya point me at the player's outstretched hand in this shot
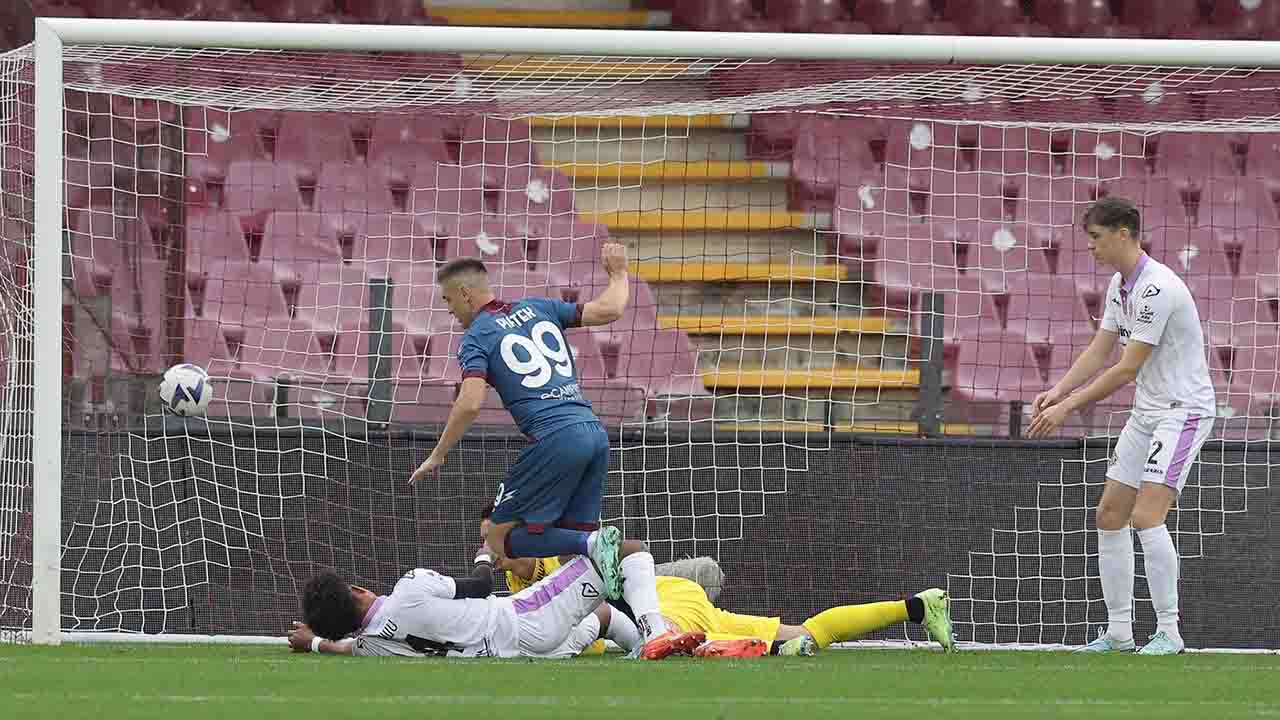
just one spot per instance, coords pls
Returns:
(1048, 420)
(300, 637)
(1044, 401)
(430, 466)
(614, 257)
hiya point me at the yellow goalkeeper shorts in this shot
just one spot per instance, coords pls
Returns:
(685, 603)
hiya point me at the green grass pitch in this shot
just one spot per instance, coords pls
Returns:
(170, 682)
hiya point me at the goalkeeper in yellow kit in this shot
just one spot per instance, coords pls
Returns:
(710, 631)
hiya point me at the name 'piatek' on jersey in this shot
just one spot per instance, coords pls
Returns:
(521, 350)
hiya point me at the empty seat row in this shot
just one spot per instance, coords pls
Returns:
(1128, 18)
(254, 186)
(395, 142)
(830, 152)
(369, 11)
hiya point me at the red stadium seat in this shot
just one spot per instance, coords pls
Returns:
(1257, 13)
(394, 239)
(332, 297)
(118, 8)
(213, 237)
(1183, 156)
(204, 9)
(100, 243)
(401, 142)
(1070, 17)
(495, 144)
(843, 27)
(534, 193)
(52, 8)
(1191, 253)
(313, 138)
(1161, 18)
(1113, 30)
(978, 17)
(1022, 29)
(710, 14)
(888, 16)
(804, 15)
(346, 187)
(259, 187)
(1234, 310)
(295, 10)
(443, 194)
(564, 242)
(278, 347)
(1042, 308)
(998, 368)
(293, 237)
(933, 27)
(832, 154)
(391, 12)
(485, 238)
(221, 136)
(236, 294)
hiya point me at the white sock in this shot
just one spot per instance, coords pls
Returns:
(1115, 564)
(1160, 558)
(640, 590)
(591, 542)
(622, 631)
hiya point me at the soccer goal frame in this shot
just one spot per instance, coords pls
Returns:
(53, 34)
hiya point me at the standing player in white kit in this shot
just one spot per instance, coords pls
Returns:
(1149, 308)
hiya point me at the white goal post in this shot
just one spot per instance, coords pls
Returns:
(54, 35)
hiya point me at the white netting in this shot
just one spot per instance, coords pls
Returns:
(278, 218)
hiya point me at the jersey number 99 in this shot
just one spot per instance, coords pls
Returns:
(539, 367)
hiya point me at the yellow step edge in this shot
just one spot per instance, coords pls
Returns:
(713, 220)
(896, 428)
(653, 122)
(851, 379)
(734, 272)
(771, 426)
(710, 324)
(497, 17)
(676, 170)
(904, 428)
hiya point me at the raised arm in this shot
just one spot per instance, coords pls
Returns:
(611, 303)
(465, 410)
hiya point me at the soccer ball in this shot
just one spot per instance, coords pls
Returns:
(186, 390)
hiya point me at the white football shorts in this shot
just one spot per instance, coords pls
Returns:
(1159, 448)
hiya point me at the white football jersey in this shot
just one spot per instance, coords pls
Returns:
(1155, 307)
(421, 617)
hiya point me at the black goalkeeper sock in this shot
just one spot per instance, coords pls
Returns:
(915, 610)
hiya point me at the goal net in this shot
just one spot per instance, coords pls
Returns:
(825, 255)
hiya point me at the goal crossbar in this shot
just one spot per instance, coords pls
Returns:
(967, 50)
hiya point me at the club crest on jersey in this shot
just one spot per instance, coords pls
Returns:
(1146, 314)
(589, 590)
(1150, 291)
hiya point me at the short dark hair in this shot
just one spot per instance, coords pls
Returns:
(461, 266)
(328, 607)
(1114, 213)
(486, 511)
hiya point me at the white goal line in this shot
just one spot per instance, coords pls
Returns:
(176, 639)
